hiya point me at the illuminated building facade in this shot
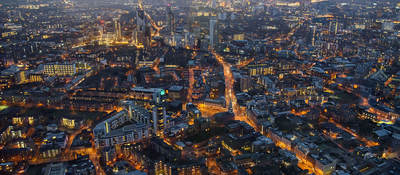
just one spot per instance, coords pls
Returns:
(153, 99)
(59, 69)
(117, 30)
(22, 77)
(69, 123)
(261, 69)
(35, 78)
(116, 130)
(49, 151)
(163, 168)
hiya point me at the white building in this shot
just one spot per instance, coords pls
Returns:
(118, 130)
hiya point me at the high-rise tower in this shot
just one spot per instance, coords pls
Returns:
(212, 32)
(171, 20)
(213, 4)
(153, 99)
(117, 29)
(142, 32)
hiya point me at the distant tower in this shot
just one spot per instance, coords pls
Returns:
(171, 24)
(186, 38)
(140, 3)
(212, 32)
(230, 108)
(171, 20)
(117, 29)
(183, 3)
(213, 4)
(140, 26)
(137, 58)
(336, 27)
(313, 37)
(142, 33)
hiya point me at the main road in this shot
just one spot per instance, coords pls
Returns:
(230, 96)
(240, 114)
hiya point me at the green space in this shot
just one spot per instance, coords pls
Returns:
(35, 170)
(49, 115)
(342, 97)
(202, 136)
(55, 113)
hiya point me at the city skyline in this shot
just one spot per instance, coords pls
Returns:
(168, 87)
